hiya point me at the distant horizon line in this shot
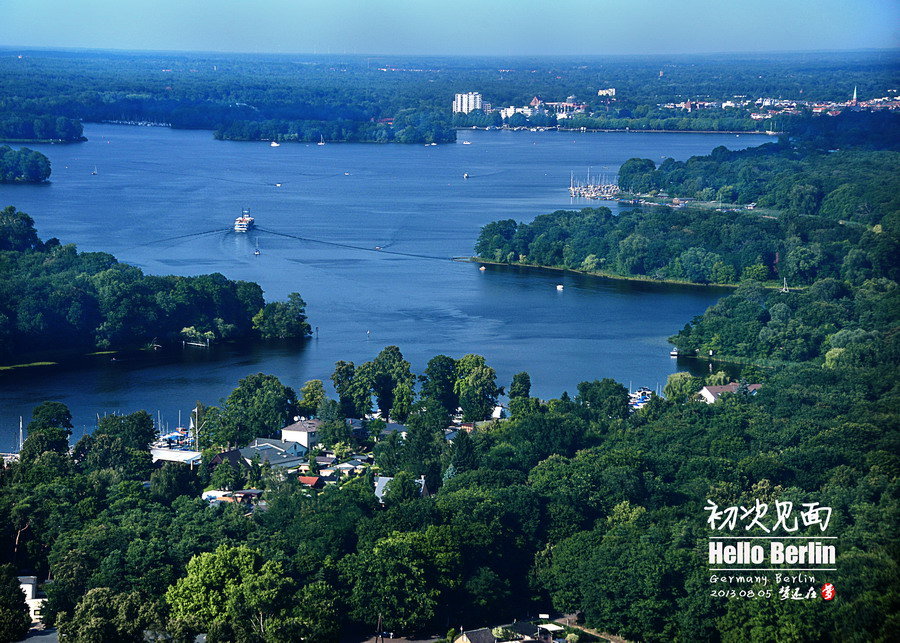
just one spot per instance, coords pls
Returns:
(767, 52)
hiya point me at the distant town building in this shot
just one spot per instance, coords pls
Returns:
(465, 103)
(611, 92)
(506, 112)
(568, 106)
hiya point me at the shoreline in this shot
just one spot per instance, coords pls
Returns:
(626, 130)
(612, 276)
(41, 141)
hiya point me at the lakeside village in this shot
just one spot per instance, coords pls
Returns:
(298, 453)
(550, 113)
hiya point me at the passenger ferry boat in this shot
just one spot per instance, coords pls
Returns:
(244, 222)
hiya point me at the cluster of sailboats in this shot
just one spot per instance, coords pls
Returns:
(593, 187)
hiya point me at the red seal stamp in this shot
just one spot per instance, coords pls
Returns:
(828, 591)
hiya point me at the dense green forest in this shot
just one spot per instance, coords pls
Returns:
(55, 299)
(409, 126)
(841, 168)
(838, 215)
(41, 128)
(572, 504)
(23, 166)
(346, 96)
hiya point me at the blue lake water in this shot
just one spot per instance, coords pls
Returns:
(165, 200)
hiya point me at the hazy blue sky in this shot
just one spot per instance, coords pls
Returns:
(453, 26)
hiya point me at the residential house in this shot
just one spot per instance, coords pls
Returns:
(233, 457)
(382, 481)
(304, 431)
(29, 586)
(313, 482)
(711, 394)
(278, 453)
(351, 467)
(184, 456)
(393, 427)
(484, 635)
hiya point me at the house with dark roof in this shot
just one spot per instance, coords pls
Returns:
(304, 431)
(483, 635)
(233, 457)
(278, 453)
(393, 427)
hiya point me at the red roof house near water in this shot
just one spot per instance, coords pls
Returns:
(710, 394)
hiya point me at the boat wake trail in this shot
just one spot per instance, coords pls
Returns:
(352, 247)
(183, 236)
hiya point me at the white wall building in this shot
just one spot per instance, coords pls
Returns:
(306, 432)
(465, 103)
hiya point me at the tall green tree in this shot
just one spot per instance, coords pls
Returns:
(283, 320)
(476, 385)
(438, 382)
(410, 575)
(388, 372)
(342, 378)
(260, 406)
(680, 387)
(521, 386)
(50, 415)
(235, 586)
(311, 396)
(104, 616)
(15, 617)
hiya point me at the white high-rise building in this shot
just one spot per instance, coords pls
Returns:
(466, 103)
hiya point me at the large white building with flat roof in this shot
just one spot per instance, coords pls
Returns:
(466, 103)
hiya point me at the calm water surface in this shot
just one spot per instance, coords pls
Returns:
(164, 200)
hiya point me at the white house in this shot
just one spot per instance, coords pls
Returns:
(306, 432)
(710, 394)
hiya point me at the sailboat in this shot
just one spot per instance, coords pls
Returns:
(321, 140)
(94, 172)
(257, 252)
